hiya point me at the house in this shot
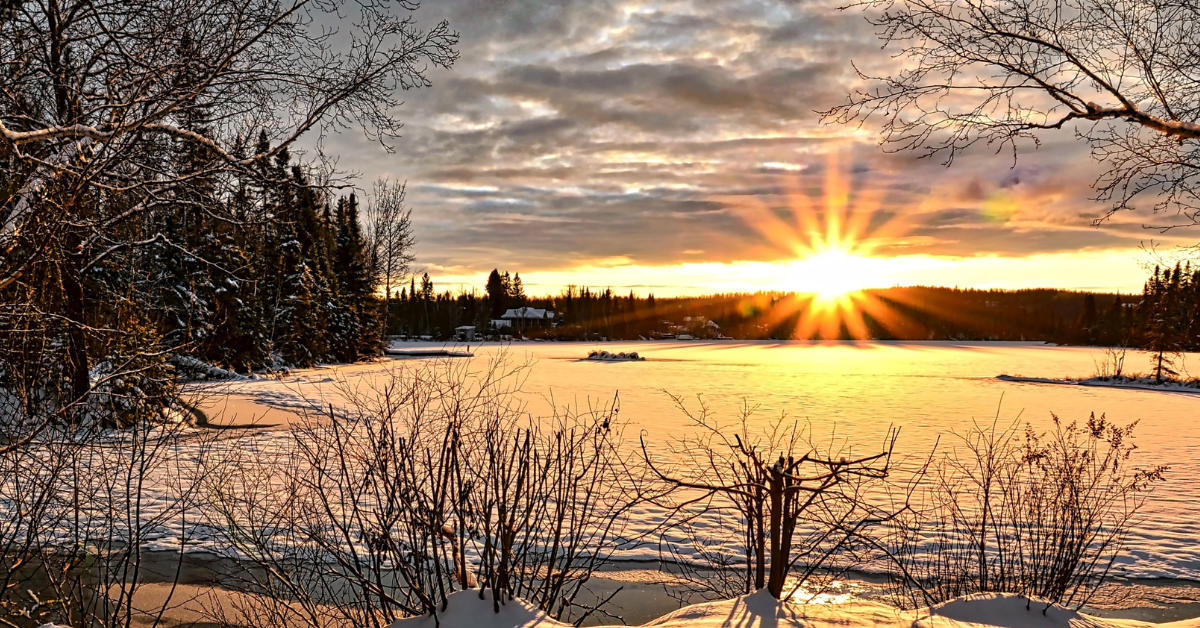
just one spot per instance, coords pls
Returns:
(464, 333)
(528, 317)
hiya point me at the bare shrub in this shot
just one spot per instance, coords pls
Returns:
(436, 481)
(1111, 363)
(799, 509)
(80, 509)
(88, 482)
(1043, 515)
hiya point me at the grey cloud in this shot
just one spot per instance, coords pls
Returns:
(575, 130)
(953, 218)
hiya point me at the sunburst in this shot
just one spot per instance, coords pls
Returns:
(827, 241)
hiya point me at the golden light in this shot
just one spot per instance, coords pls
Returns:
(831, 273)
(827, 240)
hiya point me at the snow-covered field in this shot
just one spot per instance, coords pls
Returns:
(760, 610)
(928, 388)
(853, 389)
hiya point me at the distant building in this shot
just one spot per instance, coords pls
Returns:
(464, 333)
(527, 317)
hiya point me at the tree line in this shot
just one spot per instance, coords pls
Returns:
(1165, 320)
(149, 208)
(907, 313)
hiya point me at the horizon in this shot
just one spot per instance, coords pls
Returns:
(463, 289)
(855, 306)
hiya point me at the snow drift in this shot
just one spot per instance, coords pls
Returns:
(760, 610)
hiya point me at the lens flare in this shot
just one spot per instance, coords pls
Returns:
(827, 240)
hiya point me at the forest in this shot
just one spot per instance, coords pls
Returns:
(901, 313)
(276, 273)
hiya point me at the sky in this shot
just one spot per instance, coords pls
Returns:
(673, 148)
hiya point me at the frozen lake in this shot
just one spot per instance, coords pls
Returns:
(858, 390)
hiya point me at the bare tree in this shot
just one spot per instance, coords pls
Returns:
(805, 508)
(389, 233)
(93, 93)
(1123, 74)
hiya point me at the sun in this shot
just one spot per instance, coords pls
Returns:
(831, 274)
(827, 241)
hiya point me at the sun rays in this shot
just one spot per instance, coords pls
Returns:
(827, 241)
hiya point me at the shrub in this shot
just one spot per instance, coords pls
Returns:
(1041, 514)
(434, 482)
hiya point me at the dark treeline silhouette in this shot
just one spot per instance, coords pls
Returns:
(1165, 321)
(908, 313)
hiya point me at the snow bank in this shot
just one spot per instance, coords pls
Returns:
(193, 369)
(1115, 381)
(466, 610)
(760, 610)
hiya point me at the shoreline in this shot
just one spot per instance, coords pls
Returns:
(643, 589)
(1191, 387)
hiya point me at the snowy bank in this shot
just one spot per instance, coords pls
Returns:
(1114, 381)
(192, 369)
(760, 610)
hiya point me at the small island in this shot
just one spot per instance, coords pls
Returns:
(608, 356)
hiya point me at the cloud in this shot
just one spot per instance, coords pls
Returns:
(580, 130)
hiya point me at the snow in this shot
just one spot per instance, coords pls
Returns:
(1116, 381)
(1156, 551)
(759, 610)
(193, 368)
(465, 609)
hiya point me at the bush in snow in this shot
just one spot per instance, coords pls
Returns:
(795, 511)
(1043, 515)
(435, 482)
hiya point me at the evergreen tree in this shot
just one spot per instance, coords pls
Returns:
(1113, 326)
(516, 292)
(357, 329)
(497, 295)
(1084, 331)
(1161, 322)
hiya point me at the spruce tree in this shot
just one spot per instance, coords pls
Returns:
(1161, 322)
(358, 331)
(496, 294)
(516, 292)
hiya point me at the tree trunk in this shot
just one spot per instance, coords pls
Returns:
(760, 576)
(779, 563)
(76, 338)
(1158, 371)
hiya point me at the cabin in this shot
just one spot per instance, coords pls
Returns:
(464, 333)
(528, 317)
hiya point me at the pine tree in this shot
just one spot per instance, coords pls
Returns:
(1085, 325)
(1113, 325)
(1161, 322)
(496, 294)
(516, 292)
(357, 329)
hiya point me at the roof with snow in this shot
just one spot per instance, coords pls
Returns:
(526, 313)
